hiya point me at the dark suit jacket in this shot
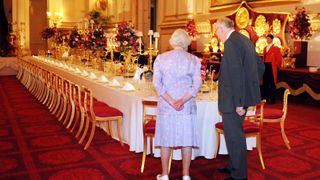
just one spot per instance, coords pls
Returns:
(240, 71)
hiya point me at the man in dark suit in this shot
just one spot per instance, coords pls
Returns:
(241, 70)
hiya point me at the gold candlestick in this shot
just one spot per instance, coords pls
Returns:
(152, 52)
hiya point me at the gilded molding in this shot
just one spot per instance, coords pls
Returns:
(303, 88)
(255, 3)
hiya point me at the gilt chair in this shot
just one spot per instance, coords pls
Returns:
(97, 112)
(274, 115)
(149, 126)
(252, 126)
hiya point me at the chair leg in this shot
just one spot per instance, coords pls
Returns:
(64, 108)
(56, 105)
(110, 128)
(52, 100)
(93, 130)
(144, 154)
(284, 136)
(68, 113)
(170, 160)
(217, 144)
(77, 116)
(86, 128)
(258, 140)
(83, 118)
(72, 116)
(119, 131)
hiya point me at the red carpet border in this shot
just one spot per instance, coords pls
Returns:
(34, 145)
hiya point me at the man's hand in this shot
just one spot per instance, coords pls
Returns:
(240, 111)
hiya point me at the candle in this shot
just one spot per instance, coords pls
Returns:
(49, 14)
(139, 33)
(140, 43)
(156, 36)
(86, 23)
(91, 22)
(150, 33)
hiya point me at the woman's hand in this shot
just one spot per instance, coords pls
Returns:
(178, 104)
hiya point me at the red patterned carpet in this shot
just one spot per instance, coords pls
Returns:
(33, 145)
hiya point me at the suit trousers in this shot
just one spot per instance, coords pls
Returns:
(236, 144)
(269, 89)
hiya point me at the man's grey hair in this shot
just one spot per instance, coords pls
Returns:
(225, 22)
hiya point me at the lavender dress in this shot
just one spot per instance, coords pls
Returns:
(176, 72)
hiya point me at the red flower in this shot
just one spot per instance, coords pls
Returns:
(299, 27)
(192, 29)
(203, 69)
(126, 36)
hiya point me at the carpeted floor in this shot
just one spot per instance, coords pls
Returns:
(34, 145)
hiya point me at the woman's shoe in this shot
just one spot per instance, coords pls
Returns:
(186, 178)
(165, 177)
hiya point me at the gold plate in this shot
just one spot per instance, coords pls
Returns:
(261, 43)
(261, 26)
(242, 17)
(245, 33)
(276, 26)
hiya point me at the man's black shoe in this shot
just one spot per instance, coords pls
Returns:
(224, 170)
(231, 178)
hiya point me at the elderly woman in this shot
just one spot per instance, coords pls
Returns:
(177, 80)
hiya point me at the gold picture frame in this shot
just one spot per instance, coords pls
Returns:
(217, 5)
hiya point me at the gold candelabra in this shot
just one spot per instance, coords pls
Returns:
(151, 51)
(55, 17)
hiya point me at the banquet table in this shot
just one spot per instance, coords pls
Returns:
(299, 80)
(8, 66)
(130, 104)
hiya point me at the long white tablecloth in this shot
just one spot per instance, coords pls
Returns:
(130, 104)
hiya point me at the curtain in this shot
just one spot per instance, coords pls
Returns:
(4, 32)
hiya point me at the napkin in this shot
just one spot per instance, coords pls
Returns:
(70, 68)
(77, 70)
(66, 66)
(84, 73)
(137, 73)
(128, 87)
(313, 69)
(103, 79)
(114, 82)
(65, 54)
(92, 76)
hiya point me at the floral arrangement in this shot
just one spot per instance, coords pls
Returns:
(75, 39)
(192, 29)
(96, 40)
(299, 27)
(126, 36)
(48, 32)
(61, 37)
(203, 69)
(98, 17)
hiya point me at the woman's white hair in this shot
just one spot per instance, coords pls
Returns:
(180, 38)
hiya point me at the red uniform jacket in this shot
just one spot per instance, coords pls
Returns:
(275, 57)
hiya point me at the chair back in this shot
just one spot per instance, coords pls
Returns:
(147, 118)
(76, 96)
(146, 104)
(88, 103)
(256, 114)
